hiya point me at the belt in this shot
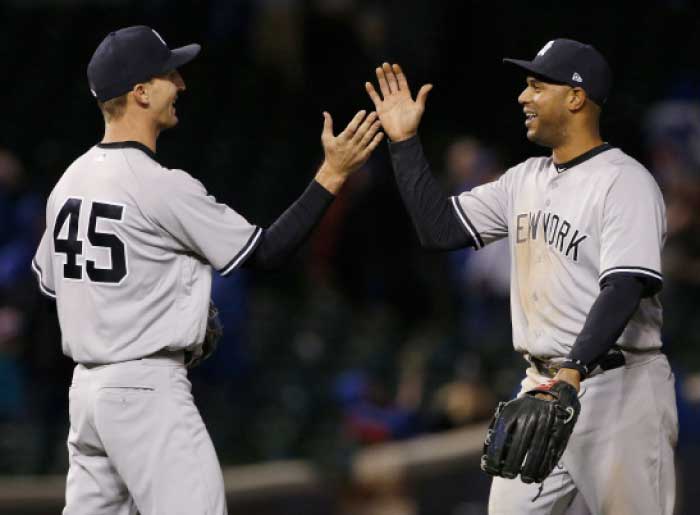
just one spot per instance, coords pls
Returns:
(177, 356)
(549, 368)
(163, 355)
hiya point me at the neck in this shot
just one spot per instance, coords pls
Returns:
(127, 129)
(573, 148)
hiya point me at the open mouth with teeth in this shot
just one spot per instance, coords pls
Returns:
(529, 117)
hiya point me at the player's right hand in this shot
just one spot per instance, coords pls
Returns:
(399, 113)
(349, 150)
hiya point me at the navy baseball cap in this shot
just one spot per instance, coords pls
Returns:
(132, 55)
(566, 61)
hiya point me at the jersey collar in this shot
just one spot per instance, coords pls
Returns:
(561, 167)
(130, 144)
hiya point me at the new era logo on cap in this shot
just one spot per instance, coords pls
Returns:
(576, 77)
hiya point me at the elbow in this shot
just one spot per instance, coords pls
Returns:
(267, 264)
(431, 246)
(427, 242)
(261, 261)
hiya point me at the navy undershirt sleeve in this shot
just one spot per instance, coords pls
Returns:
(618, 300)
(291, 229)
(434, 218)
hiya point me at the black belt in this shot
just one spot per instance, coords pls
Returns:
(613, 359)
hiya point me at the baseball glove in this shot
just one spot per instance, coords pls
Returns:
(211, 339)
(528, 435)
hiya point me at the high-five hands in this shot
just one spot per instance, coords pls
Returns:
(347, 151)
(396, 113)
(399, 113)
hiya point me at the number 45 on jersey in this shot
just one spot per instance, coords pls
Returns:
(72, 246)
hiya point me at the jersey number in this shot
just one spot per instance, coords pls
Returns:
(73, 247)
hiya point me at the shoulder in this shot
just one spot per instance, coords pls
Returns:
(532, 165)
(156, 178)
(176, 181)
(141, 163)
(80, 164)
(527, 169)
(75, 170)
(515, 176)
(628, 173)
(166, 191)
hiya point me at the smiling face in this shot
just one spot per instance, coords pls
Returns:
(162, 94)
(547, 113)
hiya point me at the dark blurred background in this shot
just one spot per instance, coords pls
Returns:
(363, 338)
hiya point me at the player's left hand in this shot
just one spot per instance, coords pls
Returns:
(349, 150)
(212, 335)
(399, 113)
(528, 435)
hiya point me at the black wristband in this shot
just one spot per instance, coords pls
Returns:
(577, 364)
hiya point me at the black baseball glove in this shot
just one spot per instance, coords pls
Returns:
(211, 339)
(527, 435)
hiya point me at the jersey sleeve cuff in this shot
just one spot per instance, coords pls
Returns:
(42, 287)
(244, 253)
(468, 225)
(653, 280)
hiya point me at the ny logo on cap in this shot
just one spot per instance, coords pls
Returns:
(545, 48)
(577, 77)
(158, 36)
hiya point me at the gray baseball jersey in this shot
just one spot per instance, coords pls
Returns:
(128, 251)
(568, 230)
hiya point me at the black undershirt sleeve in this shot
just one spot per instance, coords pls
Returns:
(618, 300)
(434, 218)
(290, 230)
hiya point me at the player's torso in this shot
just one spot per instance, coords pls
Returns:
(554, 232)
(122, 291)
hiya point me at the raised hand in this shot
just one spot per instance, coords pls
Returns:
(399, 113)
(349, 150)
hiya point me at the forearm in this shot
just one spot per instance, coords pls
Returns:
(617, 302)
(428, 206)
(292, 228)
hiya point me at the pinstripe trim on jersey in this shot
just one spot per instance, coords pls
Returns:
(42, 287)
(478, 242)
(631, 270)
(245, 252)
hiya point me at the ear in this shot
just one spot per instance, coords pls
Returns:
(576, 99)
(141, 94)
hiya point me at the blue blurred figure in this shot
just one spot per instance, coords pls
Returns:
(20, 212)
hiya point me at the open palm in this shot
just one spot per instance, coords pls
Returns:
(399, 113)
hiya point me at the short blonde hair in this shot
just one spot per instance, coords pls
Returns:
(114, 108)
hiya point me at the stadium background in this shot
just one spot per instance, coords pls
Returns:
(356, 379)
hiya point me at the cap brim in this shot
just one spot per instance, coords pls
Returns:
(535, 70)
(181, 56)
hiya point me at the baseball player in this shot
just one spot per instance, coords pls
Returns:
(585, 228)
(128, 254)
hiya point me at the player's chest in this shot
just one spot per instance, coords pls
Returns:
(559, 213)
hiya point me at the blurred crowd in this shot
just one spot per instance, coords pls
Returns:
(363, 337)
